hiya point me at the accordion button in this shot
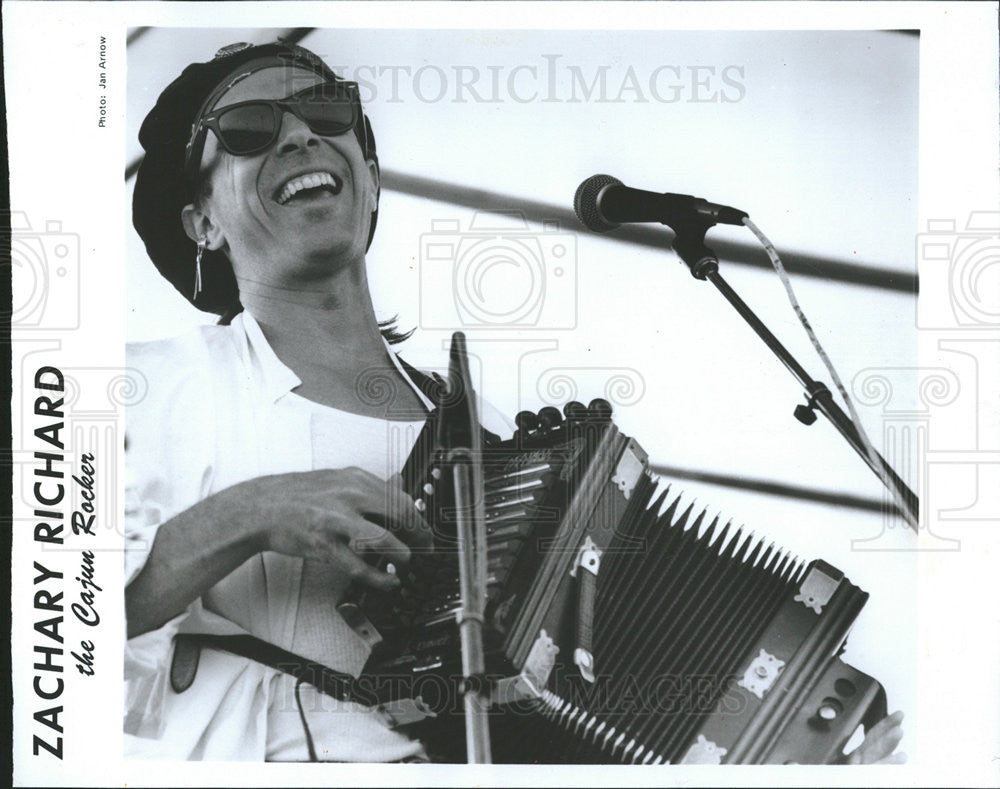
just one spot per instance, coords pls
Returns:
(549, 417)
(600, 408)
(526, 421)
(829, 709)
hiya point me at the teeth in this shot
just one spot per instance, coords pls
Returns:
(307, 181)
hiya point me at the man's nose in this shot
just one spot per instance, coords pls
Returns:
(295, 134)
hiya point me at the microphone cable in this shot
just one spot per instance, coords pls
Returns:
(873, 456)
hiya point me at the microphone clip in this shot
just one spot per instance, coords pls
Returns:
(689, 244)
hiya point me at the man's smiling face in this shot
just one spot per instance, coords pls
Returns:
(299, 209)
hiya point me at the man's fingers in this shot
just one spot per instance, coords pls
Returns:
(890, 720)
(363, 573)
(888, 742)
(884, 725)
(397, 512)
(879, 743)
(367, 537)
(383, 505)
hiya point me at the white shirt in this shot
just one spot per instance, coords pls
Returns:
(219, 409)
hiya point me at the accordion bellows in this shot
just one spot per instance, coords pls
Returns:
(621, 627)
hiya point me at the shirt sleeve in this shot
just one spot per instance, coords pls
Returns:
(167, 469)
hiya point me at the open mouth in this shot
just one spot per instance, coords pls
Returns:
(310, 186)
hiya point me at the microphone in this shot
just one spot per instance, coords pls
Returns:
(602, 203)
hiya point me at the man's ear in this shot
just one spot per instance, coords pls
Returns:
(199, 225)
(376, 180)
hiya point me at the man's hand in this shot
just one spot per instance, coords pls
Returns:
(880, 743)
(338, 516)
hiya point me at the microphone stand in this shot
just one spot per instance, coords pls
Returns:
(461, 439)
(689, 244)
(470, 616)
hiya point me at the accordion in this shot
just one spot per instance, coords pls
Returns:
(619, 626)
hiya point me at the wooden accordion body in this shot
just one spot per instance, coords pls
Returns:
(618, 629)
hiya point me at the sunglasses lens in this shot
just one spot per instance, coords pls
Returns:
(327, 110)
(248, 128)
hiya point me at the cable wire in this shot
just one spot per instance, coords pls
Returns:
(873, 456)
(305, 725)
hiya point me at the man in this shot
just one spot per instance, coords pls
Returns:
(259, 460)
(247, 539)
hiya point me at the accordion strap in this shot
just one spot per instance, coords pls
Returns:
(187, 649)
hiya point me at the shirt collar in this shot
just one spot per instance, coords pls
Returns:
(277, 379)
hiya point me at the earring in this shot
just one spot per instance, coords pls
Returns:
(197, 267)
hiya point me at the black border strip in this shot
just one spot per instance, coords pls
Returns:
(6, 456)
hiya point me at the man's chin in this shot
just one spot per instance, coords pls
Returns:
(325, 227)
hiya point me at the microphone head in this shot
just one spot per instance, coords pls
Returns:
(585, 203)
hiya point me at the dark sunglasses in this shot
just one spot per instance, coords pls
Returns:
(253, 126)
